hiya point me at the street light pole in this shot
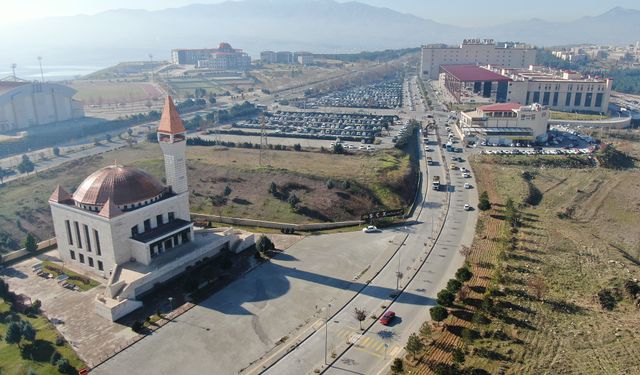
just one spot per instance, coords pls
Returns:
(326, 334)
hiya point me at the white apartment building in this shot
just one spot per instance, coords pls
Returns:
(474, 52)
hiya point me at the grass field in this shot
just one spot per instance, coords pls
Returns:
(187, 86)
(104, 92)
(382, 179)
(37, 353)
(579, 239)
(557, 115)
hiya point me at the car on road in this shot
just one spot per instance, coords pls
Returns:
(453, 167)
(467, 207)
(467, 185)
(371, 229)
(387, 318)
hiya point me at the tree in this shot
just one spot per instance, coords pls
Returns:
(414, 345)
(463, 274)
(338, 148)
(3, 173)
(397, 366)
(129, 131)
(212, 99)
(330, 184)
(360, 315)
(454, 285)
(28, 332)
(458, 355)
(96, 141)
(14, 333)
(425, 329)
(445, 298)
(297, 147)
(55, 357)
(438, 313)
(483, 202)
(293, 201)
(467, 335)
(346, 184)
(30, 243)
(273, 188)
(26, 165)
(107, 137)
(227, 191)
(64, 366)
(538, 286)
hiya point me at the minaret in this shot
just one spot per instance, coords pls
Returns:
(172, 139)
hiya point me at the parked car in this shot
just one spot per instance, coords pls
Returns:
(467, 207)
(371, 229)
(387, 318)
(467, 185)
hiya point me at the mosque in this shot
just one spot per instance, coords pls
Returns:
(125, 226)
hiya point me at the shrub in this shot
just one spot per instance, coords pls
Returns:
(632, 288)
(330, 184)
(463, 274)
(607, 299)
(438, 313)
(479, 318)
(264, 244)
(414, 345)
(64, 366)
(60, 340)
(446, 298)
(137, 326)
(467, 335)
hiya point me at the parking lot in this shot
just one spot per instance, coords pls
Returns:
(386, 95)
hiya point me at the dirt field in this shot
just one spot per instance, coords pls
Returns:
(581, 237)
(105, 92)
(374, 181)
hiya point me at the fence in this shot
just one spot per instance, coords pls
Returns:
(43, 246)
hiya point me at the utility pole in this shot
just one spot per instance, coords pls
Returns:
(41, 71)
(326, 334)
(263, 139)
(13, 68)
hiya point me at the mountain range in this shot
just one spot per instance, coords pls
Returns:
(255, 25)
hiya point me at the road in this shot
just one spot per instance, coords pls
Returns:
(426, 267)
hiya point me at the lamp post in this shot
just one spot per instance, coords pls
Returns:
(326, 334)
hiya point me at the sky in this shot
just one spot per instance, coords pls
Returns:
(455, 12)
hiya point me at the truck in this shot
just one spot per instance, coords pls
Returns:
(436, 183)
(429, 160)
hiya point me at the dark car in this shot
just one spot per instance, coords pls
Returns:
(387, 318)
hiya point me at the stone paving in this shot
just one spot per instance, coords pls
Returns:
(71, 312)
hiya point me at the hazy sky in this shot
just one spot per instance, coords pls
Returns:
(456, 12)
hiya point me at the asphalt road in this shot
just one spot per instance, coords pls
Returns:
(370, 350)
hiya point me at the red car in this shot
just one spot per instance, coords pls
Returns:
(387, 318)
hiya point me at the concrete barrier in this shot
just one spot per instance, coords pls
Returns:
(275, 225)
(43, 246)
(614, 122)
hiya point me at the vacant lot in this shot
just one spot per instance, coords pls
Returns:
(359, 183)
(104, 92)
(542, 279)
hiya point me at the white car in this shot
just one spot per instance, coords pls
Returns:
(466, 175)
(467, 207)
(371, 229)
(467, 185)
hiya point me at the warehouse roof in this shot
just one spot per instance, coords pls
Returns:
(472, 73)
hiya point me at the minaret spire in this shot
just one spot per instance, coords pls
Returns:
(172, 138)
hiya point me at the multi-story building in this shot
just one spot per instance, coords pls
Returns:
(474, 52)
(567, 91)
(222, 58)
(505, 123)
(284, 57)
(226, 58)
(268, 57)
(305, 59)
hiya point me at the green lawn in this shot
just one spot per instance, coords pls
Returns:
(557, 115)
(11, 359)
(74, 278)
